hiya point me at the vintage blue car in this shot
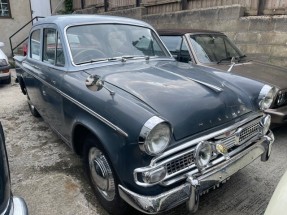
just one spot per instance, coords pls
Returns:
(9, 205)
(153, 132)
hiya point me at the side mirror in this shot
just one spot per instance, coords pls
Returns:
(2, 44)
(96, 83)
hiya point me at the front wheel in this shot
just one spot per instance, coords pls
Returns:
(102, 178)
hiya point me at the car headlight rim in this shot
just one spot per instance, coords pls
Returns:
(155, 136)
(266, 97)
(203, 154)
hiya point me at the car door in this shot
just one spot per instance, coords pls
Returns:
(53, 69)
(32, 69)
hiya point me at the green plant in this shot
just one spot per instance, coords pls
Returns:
(68, 6)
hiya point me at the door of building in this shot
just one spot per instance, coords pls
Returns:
(40, 8)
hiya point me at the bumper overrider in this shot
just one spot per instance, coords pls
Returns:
(189, 191)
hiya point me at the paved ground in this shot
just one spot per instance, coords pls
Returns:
(50, 177)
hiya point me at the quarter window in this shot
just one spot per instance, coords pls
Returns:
(35, 45)
(4, 8)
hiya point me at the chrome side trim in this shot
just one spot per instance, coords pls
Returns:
(96, 115)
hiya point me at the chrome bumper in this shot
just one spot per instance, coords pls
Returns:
(19, 207)
(189, 191)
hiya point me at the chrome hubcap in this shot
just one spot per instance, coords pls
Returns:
(101, 173)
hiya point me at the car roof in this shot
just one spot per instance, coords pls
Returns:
(180, 32)
(77, 19)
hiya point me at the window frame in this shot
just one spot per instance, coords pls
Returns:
(58, 36)
(9, 10)
(40, 46)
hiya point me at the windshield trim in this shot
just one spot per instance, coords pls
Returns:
(161, 44)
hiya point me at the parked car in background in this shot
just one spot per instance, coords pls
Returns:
(214, 49)
(9, 205)
(5, 74)
(278, 202)
(154, 133)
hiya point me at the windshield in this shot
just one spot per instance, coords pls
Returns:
(214, 48)
(92, 43)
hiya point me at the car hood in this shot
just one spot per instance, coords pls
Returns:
(267, 73)
(167, 87)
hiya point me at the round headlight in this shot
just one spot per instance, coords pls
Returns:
(265, 124)
(155, 136)
(203, 153)
(266, 97)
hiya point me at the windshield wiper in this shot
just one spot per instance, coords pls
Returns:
(241, 57)
(92, 61)
(126, 57)
(99, 60)
(120, 58)
(224, 59)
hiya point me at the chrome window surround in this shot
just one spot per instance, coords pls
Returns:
(101, 23)
(189, 147)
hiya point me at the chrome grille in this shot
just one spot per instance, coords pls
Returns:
(186, 160)
(180, 163)
(249, 132)
(180, 160)
(229, 142)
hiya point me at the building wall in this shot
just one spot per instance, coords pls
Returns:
(261, 37)
(21, 14)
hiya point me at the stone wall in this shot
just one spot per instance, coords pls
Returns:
(261, 37)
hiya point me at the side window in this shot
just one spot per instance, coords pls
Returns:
(173, 44)
(184, 53)
(35, 44)
(52, 48)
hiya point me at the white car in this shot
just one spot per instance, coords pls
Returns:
(5, 74)
(278, 202)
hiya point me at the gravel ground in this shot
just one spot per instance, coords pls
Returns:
(50, 176)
